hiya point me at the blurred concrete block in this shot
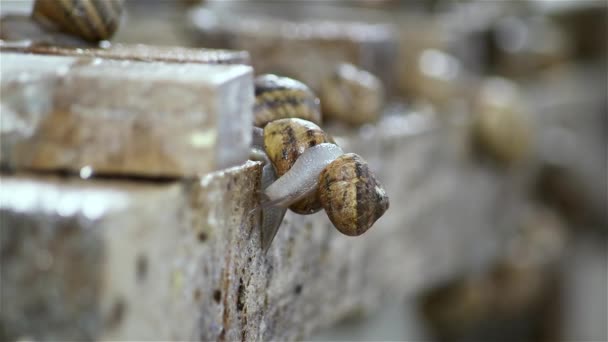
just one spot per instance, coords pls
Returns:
(298, 46)
(123, 117)
(570, 115)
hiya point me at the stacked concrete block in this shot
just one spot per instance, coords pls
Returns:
(123, 117)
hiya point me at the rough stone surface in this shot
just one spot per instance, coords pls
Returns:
(123, 117)
(182, 260)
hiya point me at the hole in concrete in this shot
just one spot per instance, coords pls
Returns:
(202, 236)
(217, 296)
(239, 299)
(117, 313)
(141, 268)
(197, 295)
(298, 289)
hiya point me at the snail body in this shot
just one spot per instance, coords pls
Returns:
(285, 140)
(302, 179)
(92, 20)
(272, 216)
(282, 97)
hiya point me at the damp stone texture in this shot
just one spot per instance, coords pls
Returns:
(134, 118)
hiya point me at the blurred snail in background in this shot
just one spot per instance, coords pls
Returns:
(282, 97)
(500, 128)
(305, 170)
(352, 95)
(91, 20)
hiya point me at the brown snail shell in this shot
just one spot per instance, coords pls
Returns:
(351, 195)
(282, 97)
(352, 95)
(92, 20)
(500, 127)
(284, 141)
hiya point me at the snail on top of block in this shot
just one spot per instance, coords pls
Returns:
(91, 20)
(305, 169)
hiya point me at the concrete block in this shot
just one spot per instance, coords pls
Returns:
(124, 117)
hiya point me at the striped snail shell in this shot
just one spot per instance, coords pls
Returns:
(347, 189)
(92, 20)
(352, 95)
(351, 195)
(282, 97)
(284, 141)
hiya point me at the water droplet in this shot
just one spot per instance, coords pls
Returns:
(86, 172)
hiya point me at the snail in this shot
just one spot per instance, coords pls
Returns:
(500, 128)
(352, 95)
(313, 172)
(282, 97)
(92, 20)
(348, 191)
(298, 156)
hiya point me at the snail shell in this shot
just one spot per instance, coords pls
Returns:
(352, 95)
(351, 195)
(282, 97)
(500, 127)
(284, 141)
(92, 20)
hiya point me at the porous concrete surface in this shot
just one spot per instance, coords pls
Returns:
(181, 260)
(123, 117)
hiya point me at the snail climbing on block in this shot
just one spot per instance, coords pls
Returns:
(312, 172)
(91, 20)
